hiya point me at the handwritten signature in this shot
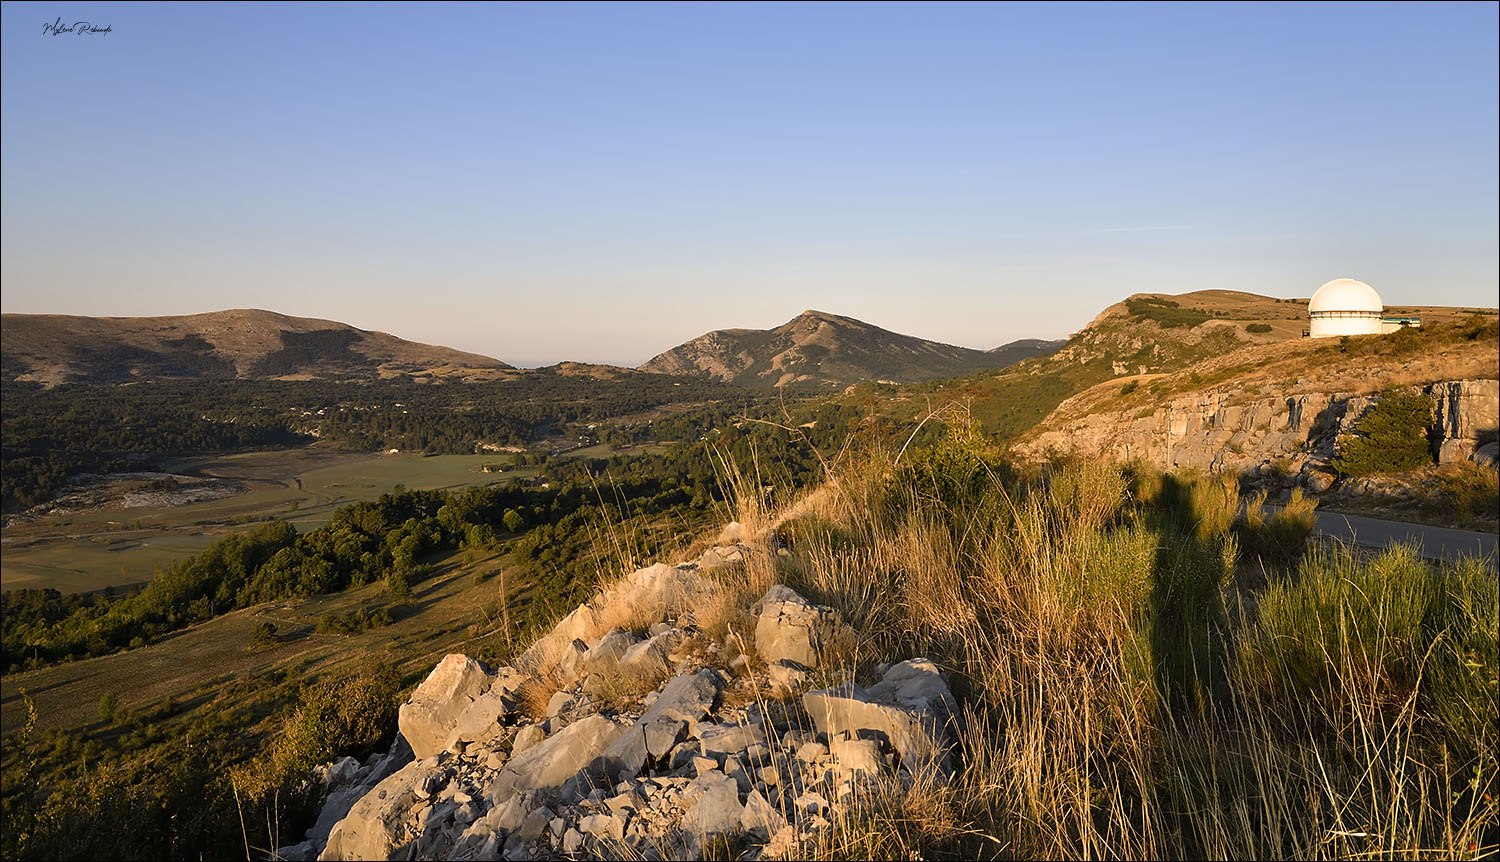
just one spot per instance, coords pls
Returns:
(80, 28)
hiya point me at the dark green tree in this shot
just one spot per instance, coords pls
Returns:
(263, 636)
(513, 521)
(1390, 437)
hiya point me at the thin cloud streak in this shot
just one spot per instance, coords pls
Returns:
(1063, 234)
(1142, 228)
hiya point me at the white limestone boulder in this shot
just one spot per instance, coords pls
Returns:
(789, 628)
(607, 650)
(910, 710)
(682, 703)
(548, 765)
(374, 828)
(427, 719)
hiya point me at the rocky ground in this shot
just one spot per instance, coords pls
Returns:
(667, 718)
(1280, 444)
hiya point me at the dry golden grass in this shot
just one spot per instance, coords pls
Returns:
(619, 685)
(1097, 719)
(536, 693)
(629, 610)
(1295, 367)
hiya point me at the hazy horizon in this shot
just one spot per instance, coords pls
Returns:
(540, 183)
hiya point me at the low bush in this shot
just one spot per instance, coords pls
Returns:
(349, 715)
(1281, 538)
(1166, 312)
(352, 622)
(1470, 493)
(1394, 632)
(263, 635)
(1390, 437)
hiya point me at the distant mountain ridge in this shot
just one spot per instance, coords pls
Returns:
(816, 349)
(232, 344)
(1025, 348)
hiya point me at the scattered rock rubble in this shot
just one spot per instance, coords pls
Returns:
(651, 774)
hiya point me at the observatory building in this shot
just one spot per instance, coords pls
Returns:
(1348, 307)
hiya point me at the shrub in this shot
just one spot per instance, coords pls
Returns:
(1208, 503)
(1470, 492)
(263, 636)
(398, 585)
(1390, 437)
(1165, 312)
(958, 475)
(1130, 387)
(1089, 495)
(1258, 328)
(354, 621)
(1281, 538)
(347, 715)
(1391, 630)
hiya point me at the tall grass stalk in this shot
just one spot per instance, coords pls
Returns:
(1120, 699)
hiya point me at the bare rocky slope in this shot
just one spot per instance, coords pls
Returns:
(240, 343)
(816, 349)
(660, 717)
(1156, 332)
(1139, 354)
(1281, 411)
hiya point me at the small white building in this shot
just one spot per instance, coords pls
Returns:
(1348, 307)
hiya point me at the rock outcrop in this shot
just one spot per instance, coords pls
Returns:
(791, 631)
(1468, 420)
(697, 751)
(1223, 429)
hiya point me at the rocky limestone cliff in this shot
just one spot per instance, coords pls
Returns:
(657, 738)
(1222, 429)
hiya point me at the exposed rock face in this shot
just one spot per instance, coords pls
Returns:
(1468, 417)
(1224, 430)
(429, 718)
(908, 710)
(789, 629)
(370, 830)
(655, 774)
(659, 589)
(345, 782)
(549, 764)
(680, 705)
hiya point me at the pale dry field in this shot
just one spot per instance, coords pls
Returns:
(112, 546)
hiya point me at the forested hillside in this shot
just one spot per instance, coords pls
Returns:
(51, 433)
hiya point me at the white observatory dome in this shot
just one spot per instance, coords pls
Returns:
(1346, 294)
(1344, 307)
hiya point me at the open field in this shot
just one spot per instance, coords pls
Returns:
(215, 658)
(110, 545)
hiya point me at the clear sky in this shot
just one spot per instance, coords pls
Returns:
(601, 182)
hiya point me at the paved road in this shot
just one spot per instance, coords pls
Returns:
(1438, 543)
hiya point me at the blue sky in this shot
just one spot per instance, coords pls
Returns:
(602, 182)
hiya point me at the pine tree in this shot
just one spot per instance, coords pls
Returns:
(1391, 437)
